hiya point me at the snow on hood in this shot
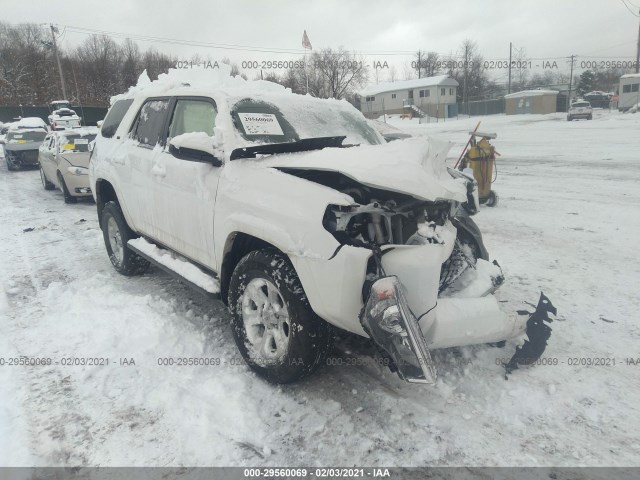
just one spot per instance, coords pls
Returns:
(415, 166)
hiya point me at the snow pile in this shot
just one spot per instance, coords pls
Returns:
(203, 79)
(178, 264)
(30, 122)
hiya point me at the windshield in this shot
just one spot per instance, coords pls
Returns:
(76, 142)
(24, 137)
(292, 118)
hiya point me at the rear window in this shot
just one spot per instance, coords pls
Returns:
(76, 143)
(581, 104)
(28, 136)
(114, 117)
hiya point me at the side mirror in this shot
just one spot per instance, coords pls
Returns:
(195, 148)
(99, 123)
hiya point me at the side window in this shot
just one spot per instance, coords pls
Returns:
(148, 127)
(634, 87)
(192, 116)
(114, 117)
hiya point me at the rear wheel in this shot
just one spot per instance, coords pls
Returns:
(46, 184)
(275, 329)
(68, 198)
(116, 234)
(590, 117)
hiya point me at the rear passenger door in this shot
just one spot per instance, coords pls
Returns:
(184, 191)
(148, 138)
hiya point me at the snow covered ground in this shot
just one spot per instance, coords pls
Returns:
(567, 224)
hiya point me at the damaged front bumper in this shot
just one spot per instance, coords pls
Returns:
(405, 323)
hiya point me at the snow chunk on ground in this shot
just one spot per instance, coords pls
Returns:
(178, 264)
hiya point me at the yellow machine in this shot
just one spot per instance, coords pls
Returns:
(480, 156)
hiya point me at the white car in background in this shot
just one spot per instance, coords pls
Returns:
(580, 109)
(300, 217)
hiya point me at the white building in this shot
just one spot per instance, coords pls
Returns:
(629, 91)
(433, 96)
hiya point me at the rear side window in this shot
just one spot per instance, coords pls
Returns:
(151, 119)
(114, 117)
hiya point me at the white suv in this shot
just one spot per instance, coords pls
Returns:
(580, 109)
(299, 216)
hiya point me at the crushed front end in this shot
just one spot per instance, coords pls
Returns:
(429, 282)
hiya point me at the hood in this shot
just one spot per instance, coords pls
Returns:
(77, 159)
(415, 166)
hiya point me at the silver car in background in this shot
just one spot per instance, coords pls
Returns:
(64, 161)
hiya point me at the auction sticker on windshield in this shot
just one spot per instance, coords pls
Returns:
(260, 124)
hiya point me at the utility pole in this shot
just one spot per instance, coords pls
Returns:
(510, 50)
(465, 91)
(570, 82)
(55, 49)
(419, 63)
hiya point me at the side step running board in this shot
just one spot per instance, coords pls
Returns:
(178, 267)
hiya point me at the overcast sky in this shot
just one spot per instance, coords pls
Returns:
(544, 28)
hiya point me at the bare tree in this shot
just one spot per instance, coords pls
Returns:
(340, 71)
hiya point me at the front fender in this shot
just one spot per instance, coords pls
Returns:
(280, 209)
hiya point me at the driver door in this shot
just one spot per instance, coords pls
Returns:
(184, 191)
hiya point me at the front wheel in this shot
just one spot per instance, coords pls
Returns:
(46, 184)
(68, 198)
(274, 327)
(116, 234)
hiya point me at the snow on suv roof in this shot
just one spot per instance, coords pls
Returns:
(198, 81)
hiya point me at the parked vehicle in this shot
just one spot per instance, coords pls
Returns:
(598, 99)
(64, 161)
(580, 109)
(22, 141)
(301, 218)
(64, 118)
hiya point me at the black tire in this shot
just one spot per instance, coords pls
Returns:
(68, 198)
(125, 261)
(46, 184)
(492, 201)
(590, 117)
(306, 339)
(569, 119)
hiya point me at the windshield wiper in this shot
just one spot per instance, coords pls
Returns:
(303, 145)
